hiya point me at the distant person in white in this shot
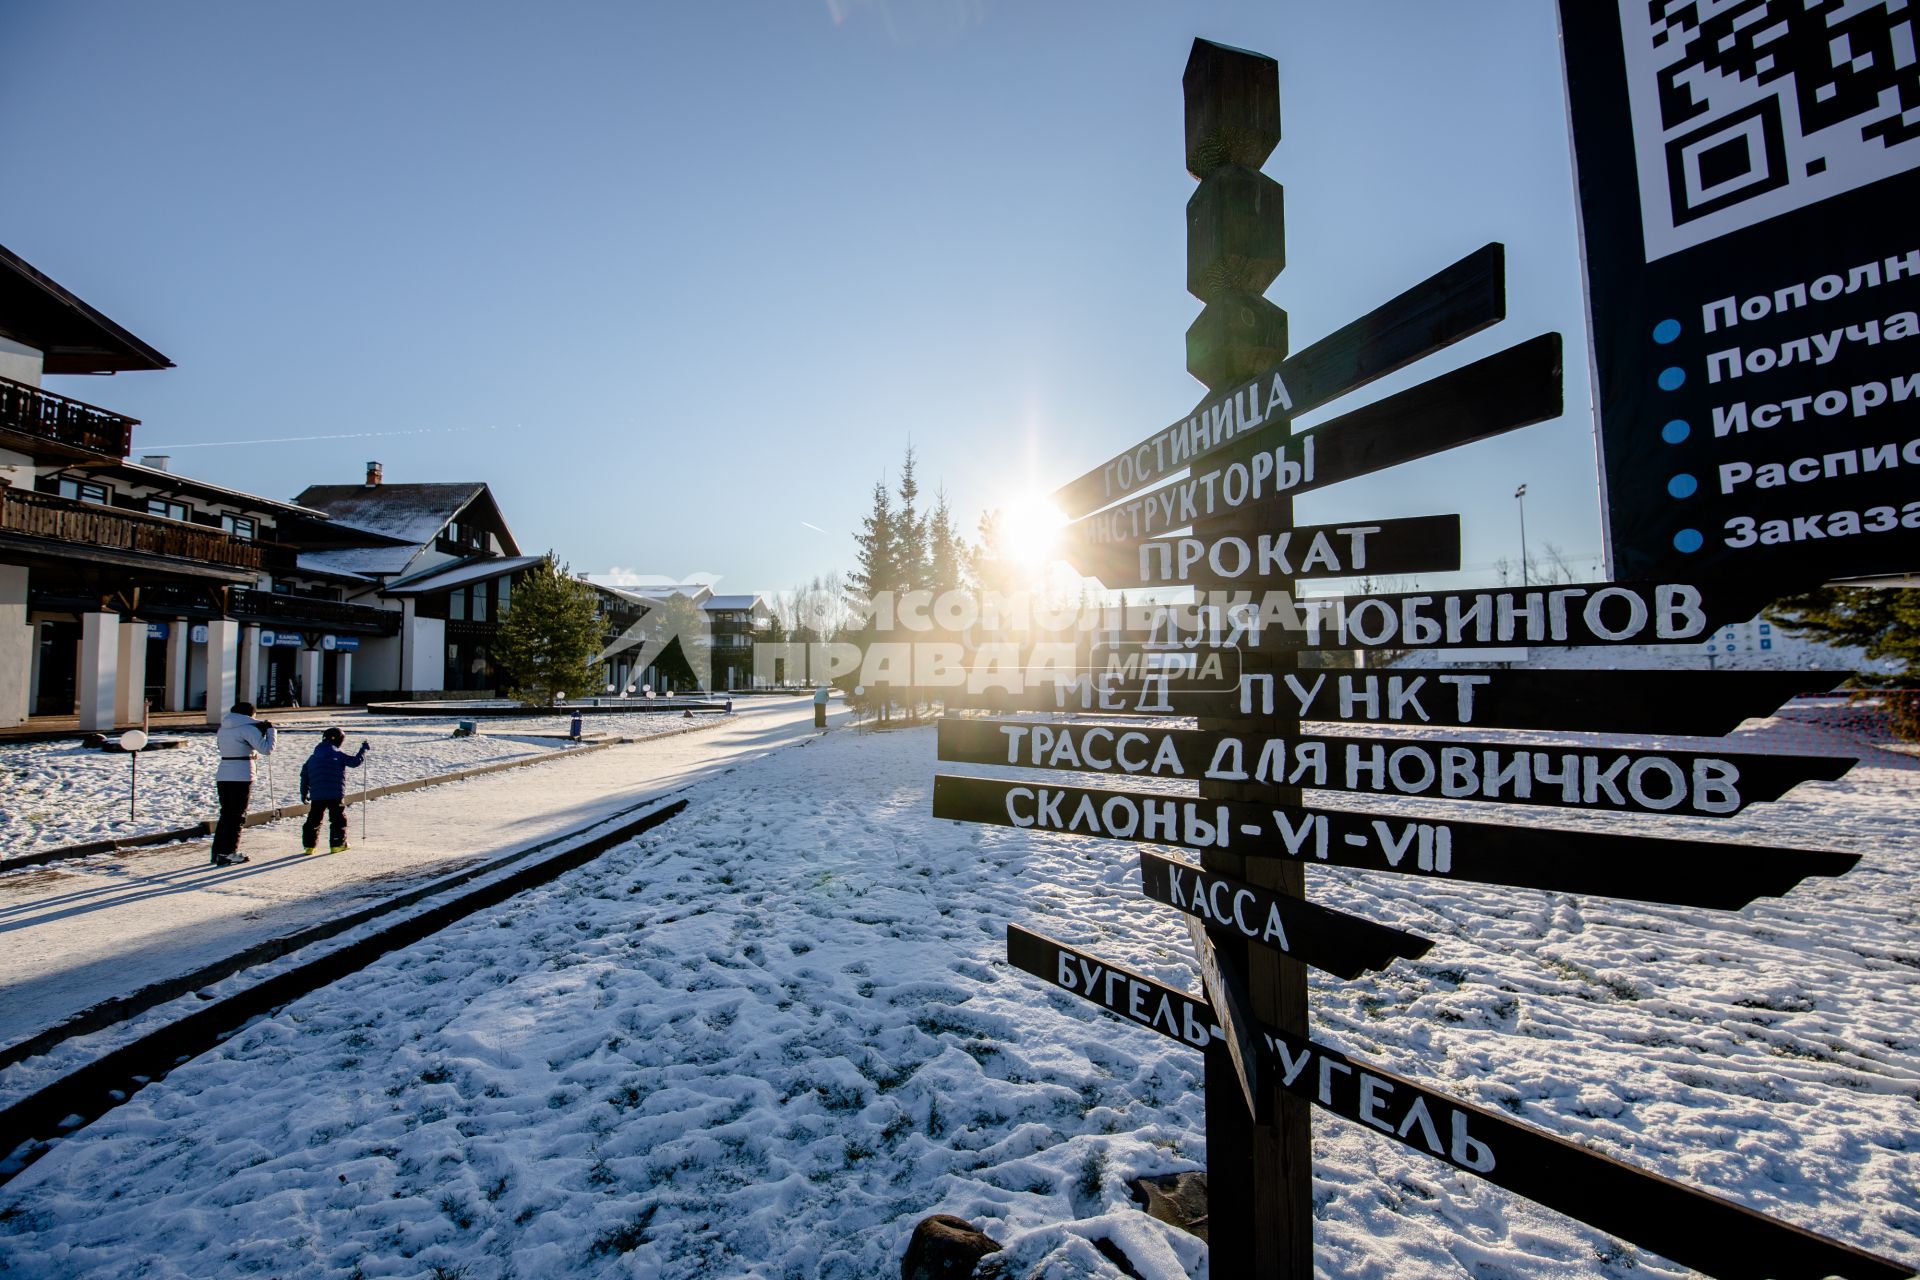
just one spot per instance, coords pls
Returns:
(240, 737)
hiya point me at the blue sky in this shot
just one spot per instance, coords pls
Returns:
(680, 281)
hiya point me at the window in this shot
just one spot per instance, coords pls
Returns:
(164, 507)
(502, 595)
(479, 602)
(241, 526)
(457, 604)
(84, 491)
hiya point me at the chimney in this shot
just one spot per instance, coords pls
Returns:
(158, 461)
(373, 474)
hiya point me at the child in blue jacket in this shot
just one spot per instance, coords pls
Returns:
(323, 782)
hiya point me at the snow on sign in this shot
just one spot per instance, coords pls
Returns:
(1748, 171)
(1714, 1235)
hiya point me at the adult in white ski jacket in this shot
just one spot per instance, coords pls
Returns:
(240, 737)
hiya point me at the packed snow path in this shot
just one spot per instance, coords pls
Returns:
(766, 1038)
(75, 934)
(65, 793)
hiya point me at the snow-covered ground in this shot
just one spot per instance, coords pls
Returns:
(63, 793)
(767, 1038)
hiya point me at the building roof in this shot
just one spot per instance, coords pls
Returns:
(696, 591)
(308, 563)
(731, 603)
(174, 482)
(378, 562)
(415, 512)
(445, 578)
(72, 336)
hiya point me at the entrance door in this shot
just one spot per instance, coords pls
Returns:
(59, 667)
(280, 669)
(156, 690)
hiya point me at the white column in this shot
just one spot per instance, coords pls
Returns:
(221, 658)
(179, 637)
(346, 678)
(309, 677)
(127, 707)
(16, 646)
(99, 660)
(249, 669)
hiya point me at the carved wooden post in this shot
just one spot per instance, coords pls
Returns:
(1259, 1166)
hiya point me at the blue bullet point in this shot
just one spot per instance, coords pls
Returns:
(1688, 540)
(1666, 331)
(1682, 485)
(1671, 378)
(1676, 431)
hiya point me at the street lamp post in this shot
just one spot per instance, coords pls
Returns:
(1520, 497)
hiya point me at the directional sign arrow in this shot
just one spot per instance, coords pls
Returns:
(1343, 945)
(1505, 391)
(1694, 703)
(1696, 783)
(1712, 1235)
(1265, 549)
(1461, 300)
(1641, 868)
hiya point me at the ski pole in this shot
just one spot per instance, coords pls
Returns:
(364, 776)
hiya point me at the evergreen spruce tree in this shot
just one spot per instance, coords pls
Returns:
(878, 556)
(549, 635)
(947, 551)
(988, 560)
(1883, 621)
(910, 532)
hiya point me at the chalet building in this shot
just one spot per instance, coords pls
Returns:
(124, 584)
(446, 569)
(736, 623)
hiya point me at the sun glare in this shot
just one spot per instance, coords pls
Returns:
(1031, 527)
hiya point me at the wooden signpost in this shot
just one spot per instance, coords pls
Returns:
(1702, 1231)
(1246, 673)
(1584, 701)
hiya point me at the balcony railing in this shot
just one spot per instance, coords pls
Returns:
(33, 412)
(250, 605)
(40, 515)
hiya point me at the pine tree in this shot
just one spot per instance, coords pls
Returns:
(991, 569)
(879, 551)
(947, 551)
(1883, 621)
(549, 635)
(910, 532)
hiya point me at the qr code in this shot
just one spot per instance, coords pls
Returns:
(1747, 109)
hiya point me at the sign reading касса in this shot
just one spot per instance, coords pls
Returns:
(1748, 175)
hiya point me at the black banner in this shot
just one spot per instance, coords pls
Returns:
(1694, 873)
(1715, 1236)
(1695, 783)
(1747, 190)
